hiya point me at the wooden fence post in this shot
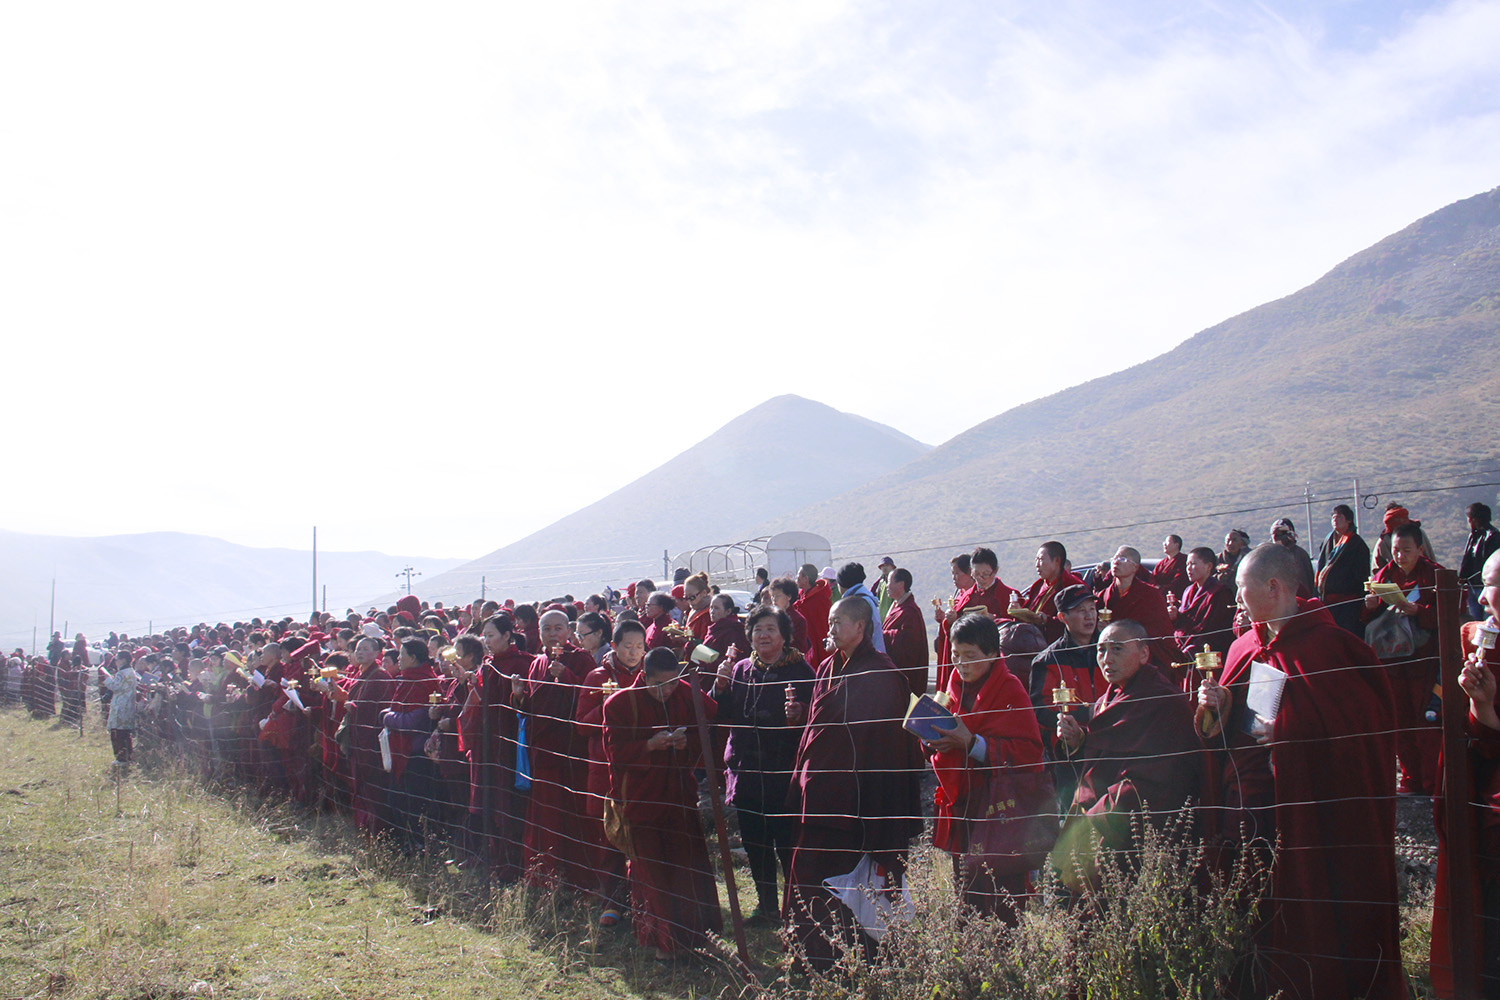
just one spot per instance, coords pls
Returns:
(1458, 814)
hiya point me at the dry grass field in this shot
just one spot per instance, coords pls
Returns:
(157, 887)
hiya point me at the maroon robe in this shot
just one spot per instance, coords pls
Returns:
(607, 861)
(1145, 604)
(1418, 741)
(1325, 784)
(368, 697)
(854, 788)
(727, 631)
(1139, 752)
(493, 796)
(996, 601)
(814, 604)
(657, 635)
(412, 692)
(1041, 597)
(1484, 794)
(1205, 619)
(674, 898)
(554, 849)
(800, 638)
(1170, 575)
(905, 631)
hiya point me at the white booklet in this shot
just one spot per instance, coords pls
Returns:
(1263, 697)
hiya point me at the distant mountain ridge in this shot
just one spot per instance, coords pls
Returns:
(1386, 366)
(785, 453)
(122, 583)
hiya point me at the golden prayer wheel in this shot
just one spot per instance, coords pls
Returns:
(1064, 696)
(1105, 616)
(448, 654)
(436, 698)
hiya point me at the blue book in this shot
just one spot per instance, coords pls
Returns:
(928, 718)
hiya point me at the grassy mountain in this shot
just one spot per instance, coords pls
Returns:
(122, 582)
(1387, 369)
(783, 454)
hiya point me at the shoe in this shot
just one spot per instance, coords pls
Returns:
(609, 918)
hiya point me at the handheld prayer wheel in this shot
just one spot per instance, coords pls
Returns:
(1208, 663)
(1064, 697)
(1487, 634)
(609, 688)
(1105, 616)
(328, 673)
(436, 698)
(448, 653)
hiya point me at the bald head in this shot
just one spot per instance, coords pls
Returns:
(1271, 561)
(1490, 577)
(851, 624)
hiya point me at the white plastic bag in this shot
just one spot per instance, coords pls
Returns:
(869, 894)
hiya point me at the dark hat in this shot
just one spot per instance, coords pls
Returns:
(1070, 597)
(887, 561)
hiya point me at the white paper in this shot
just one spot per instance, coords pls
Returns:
(291, 696)
(1263, 696)
(385, 748)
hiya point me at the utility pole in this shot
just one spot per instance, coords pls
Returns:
(325, 598)
(1356, 505)
(1307, 497)
(52, 611)
(666, 565)
(408, 572)
(482, 591)
(315, 573)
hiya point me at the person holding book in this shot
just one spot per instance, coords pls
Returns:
(1412, 677)
(1300, 735)
(993, 729)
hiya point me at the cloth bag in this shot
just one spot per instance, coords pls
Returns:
(1392, 636)
(1012, 822)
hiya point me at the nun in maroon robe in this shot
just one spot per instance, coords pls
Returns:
(905, 629)
(554, 848)
(498, 806)
(987, 593)
(651, 739)
(814, 600)
(855, 784)
(1412, 678)
(724, 628)
(1320, 776)
(619, 670)
(1205, 613)
(365, 700)
(1130, 595)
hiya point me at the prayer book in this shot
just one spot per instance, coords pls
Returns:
(1391, 593)
(1263, 696)
(928, 718)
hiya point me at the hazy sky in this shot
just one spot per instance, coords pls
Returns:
(430, 276)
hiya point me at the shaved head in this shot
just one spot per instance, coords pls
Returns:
(554, 616)
(1490, 577)
(1271, 561)
(1126, 552)
(1124, 630)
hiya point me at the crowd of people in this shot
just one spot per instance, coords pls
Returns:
(1282, 701)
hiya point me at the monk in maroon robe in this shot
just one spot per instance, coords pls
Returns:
(988, 593)
(905, 629)
(548, 696)
(725, 630)
(1041, 597)
(489, 729)
(651, 739)
(367, 698)
(1170, 575)
(1137, 751)
(1478, 680)
(1204, 616)
(620, 669)
(1318, 774)
(855, 783)
(1412, 678)
(783, 595)
(814, 600)
(660, 628)
(1130, 595)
